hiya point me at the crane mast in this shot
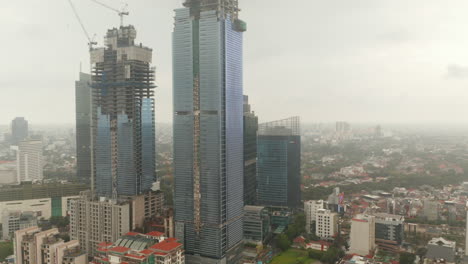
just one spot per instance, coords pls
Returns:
(121, 13)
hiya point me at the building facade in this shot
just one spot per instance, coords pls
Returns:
(13, 221)
(93, 222)
(256, 224)
(83, 104)
(123, 116)
(362, 235)
(19, 130)
(279, 163)
(440, 248)
(33, 246)
(326, 224)
(389, 231)
(310, 210)
(208, 130)
(29, 160)
(250, 154)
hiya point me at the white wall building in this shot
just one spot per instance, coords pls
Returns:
(362, 235)
(326, 223)
(310, 209)
(29, 160)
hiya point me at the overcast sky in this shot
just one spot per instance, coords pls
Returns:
(324, 60)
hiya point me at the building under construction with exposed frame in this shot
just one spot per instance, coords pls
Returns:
(208, 130)
(123, 126)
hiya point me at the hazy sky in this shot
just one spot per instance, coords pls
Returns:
(325, 60)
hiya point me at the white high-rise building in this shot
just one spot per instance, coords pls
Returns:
(362, 235)
(29, 160)
(310, 209)
(326, 223)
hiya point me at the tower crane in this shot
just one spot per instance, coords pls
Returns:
(91, 41)
(122, 12)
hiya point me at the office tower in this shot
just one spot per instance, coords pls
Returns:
(431, 210)
(256, 224)
(362, 235)
(389, 231)
(208, 129)
(279, 163)
(310, 209)
(326, 224)
(19, 130)
(250, 154)
(83, 127)
(29, 160)
(342, 127)
(123, 116)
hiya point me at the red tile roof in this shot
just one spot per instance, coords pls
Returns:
(166, 246)
(155, 234)
(132, 234)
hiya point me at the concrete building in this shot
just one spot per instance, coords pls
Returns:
(8, 173)
(29, 160)
(439, 248)
(163, 223)
(279, 163)
(43, 208)
(19, 130)
(208, 130)
(431, 210)
(13, 221)
(33, 246)
(139, 248)
(83, 107)
(123, 124)
(93, 222)
(389, 231)
(362, 235)
(256, 224)
(310, 209)
(326, 224)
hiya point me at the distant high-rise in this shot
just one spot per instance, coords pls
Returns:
(19, 130)
(250, 154)
(29, 160)
(279, 163)
(123, 115)
(83, 127)
(208, 130)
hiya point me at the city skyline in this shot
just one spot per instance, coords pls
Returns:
(388, 71)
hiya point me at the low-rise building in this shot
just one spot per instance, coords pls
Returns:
(256, 224)
(441, 249)
(139, 248)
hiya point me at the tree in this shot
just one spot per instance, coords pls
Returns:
(407, 258)
(283, 242)
(332, 255)
(59, 221)
(315, 254)
(421, 252)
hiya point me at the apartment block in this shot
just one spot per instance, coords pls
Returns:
(310, 209)
(326, 224)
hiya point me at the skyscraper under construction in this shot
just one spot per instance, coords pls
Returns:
(123, 116)
(208, 130)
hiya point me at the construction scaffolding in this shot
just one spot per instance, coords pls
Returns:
(226, 7)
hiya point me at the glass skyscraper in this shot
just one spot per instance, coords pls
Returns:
(123, 116)
(279, 163)
(208, 130)
(19, 130)
(83, 127)
(250, 154)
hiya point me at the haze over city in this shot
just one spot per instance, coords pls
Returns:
(362, 60)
